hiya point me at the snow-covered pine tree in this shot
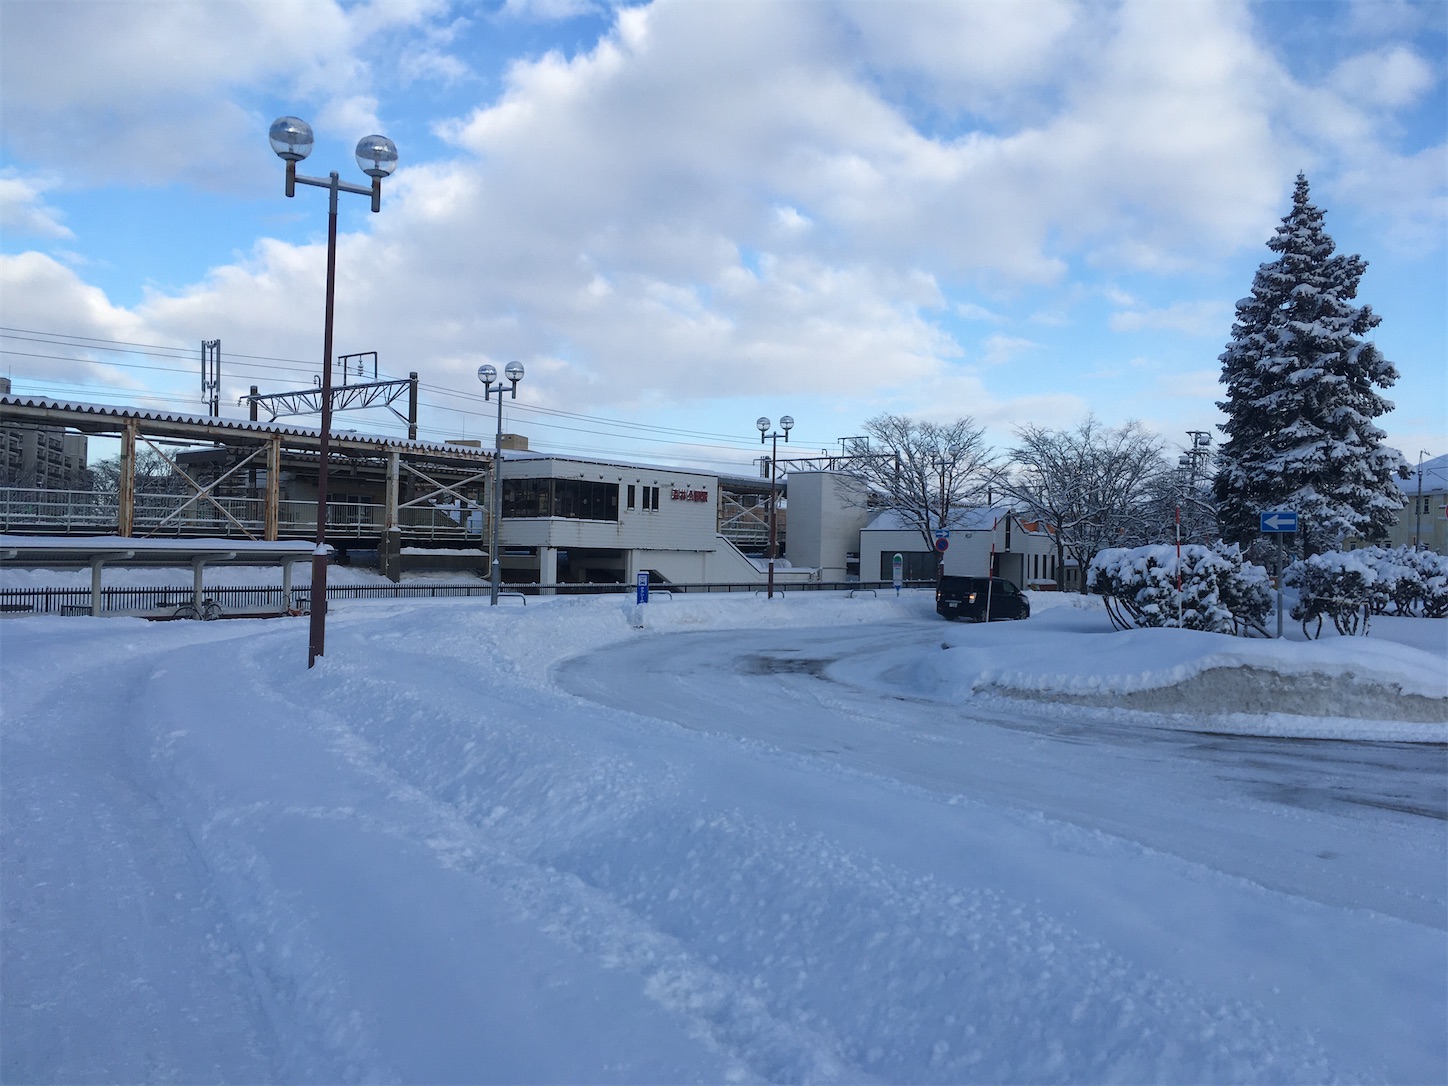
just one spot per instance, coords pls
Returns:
(1300, 396)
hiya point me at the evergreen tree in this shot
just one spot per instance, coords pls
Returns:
(1300, 394)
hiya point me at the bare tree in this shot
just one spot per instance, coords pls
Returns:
(152, 474)
(1186, 492)
(931, 471)
(1090, 484)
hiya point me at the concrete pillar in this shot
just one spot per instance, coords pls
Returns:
(95, 566)
(547, 569)
(389, 555)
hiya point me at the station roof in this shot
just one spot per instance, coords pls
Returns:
(59, 552)
(106, 418)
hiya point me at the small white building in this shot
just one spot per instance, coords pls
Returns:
(994, 540)
(827, 510)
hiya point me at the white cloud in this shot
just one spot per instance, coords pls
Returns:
(39, 294)
(174, 83)
(972, 312)
(985, 59)
(23, 210)
(1206, 319)
(1391, 78)
(547, 11)
(998, 349)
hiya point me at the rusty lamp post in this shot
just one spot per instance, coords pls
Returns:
(291, 138)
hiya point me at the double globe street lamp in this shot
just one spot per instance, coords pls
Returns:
(786, 424)
(291, 138)
(488, 375)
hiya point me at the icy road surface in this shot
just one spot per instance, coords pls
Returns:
(786, 843)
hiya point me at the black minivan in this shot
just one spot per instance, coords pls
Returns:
(966, 597)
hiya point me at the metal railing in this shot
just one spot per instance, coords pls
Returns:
(153, 601)
(25, 511)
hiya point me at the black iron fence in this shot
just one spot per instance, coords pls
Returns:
(261, 599)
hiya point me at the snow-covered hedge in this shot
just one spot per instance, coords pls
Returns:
(1219, 591)
(1338, 584)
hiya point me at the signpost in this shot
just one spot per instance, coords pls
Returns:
(897, 571)
(642, 595)
(1277, 522)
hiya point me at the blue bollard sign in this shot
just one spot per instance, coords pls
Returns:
(643, 589)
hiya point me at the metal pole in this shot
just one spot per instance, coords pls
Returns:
(1418, 505)
(317, 642)
(1279, 584)
(773, 501)
(1179, 565)
(497, 503)
(412, 407)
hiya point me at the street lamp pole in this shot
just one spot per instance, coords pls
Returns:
(786, 424)
(488, 375)
(291, 139)
(1418, 503)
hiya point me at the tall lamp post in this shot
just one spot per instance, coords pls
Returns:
(488, 375)
(291, 138)
(786, 424)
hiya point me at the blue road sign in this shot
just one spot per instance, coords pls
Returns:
(1280, 520)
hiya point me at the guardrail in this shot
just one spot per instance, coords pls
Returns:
(125, 600)
(29, 510)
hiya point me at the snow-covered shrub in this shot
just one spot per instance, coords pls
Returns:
(1219, 592)
(1339, 585)
(1433, 577)
(1399, 581)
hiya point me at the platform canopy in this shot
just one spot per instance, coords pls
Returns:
(60, 552)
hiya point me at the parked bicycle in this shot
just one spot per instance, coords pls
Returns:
(208, 610)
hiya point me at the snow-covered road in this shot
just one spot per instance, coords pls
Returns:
(476, 845)
(1330, 820)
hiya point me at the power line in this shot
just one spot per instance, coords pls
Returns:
(619, 429)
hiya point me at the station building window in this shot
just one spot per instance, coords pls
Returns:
(916, 565)
(571, 499)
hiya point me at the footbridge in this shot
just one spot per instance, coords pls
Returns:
(189, 477)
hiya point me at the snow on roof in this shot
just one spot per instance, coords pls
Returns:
(147, 415)
(24, 550)
(512, 456)
(979, 518)
(1435, 477)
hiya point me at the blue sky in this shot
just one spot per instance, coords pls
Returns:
(681, 216)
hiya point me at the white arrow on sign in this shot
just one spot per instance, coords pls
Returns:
(1278, 522)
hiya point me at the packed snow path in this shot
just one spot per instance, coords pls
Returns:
(424, 861)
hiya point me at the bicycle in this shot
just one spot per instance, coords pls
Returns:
(207, 612)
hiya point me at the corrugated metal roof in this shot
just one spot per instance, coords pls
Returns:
(145, 415)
